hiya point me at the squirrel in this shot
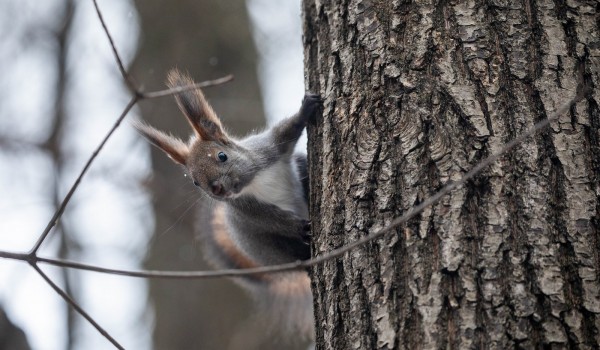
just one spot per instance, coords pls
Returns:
(259, 215)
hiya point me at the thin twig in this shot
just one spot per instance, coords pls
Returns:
(75, 185)
(174, 274)
(128, 79)
(14, 256)
(331, 254)
(178, 89)
(76, 306)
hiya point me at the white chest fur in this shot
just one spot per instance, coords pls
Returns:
(279, 185)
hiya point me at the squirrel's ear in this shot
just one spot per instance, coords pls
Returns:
(197, 110)
(172, 146)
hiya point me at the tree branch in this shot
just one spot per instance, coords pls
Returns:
(76, 306)
(128, 79)
(75, 185)
(178, 89)
(299, 265)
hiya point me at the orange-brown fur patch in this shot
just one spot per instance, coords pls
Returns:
(288, 298)
(223, 240)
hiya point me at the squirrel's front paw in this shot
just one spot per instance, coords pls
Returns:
(305, 233)
(311, 105)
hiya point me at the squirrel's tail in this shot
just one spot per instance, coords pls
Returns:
(288, 304)
(284, 300)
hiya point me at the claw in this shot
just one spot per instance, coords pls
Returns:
(307, 225)
(305, 234)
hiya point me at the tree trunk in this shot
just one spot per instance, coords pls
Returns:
(415, 94)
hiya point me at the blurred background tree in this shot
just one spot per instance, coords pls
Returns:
(208, 39)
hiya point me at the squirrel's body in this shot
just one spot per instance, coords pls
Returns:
(260, 216)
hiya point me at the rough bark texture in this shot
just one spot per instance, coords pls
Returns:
(416, 93)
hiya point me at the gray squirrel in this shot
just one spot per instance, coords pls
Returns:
(260, 213)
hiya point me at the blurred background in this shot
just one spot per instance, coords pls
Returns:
(60, 92)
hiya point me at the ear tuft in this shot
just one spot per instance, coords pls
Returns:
(172, 146)
(197, 110)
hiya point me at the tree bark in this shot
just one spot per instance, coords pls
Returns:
(415, 94)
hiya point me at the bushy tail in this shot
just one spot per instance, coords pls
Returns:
(283, 314)
(287, 302)
(284, 300)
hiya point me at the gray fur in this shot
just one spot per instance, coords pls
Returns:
(263, 188)
(274, 232)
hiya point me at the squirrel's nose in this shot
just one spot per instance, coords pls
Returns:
(217, 188)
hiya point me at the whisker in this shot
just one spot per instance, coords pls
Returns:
(179, 219)
(190, 196)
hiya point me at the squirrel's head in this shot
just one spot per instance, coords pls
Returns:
(213, 160)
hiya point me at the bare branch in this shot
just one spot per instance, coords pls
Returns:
(75, 185)
(76, 306)
(176, 90)
(128, 79)
(299, 265)
(175, 274)
(14, 256)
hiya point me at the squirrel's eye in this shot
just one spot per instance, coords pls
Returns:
(196, 184)
(222, 156)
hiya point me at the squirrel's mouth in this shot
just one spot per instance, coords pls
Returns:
(221, 191)
(222, 195)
